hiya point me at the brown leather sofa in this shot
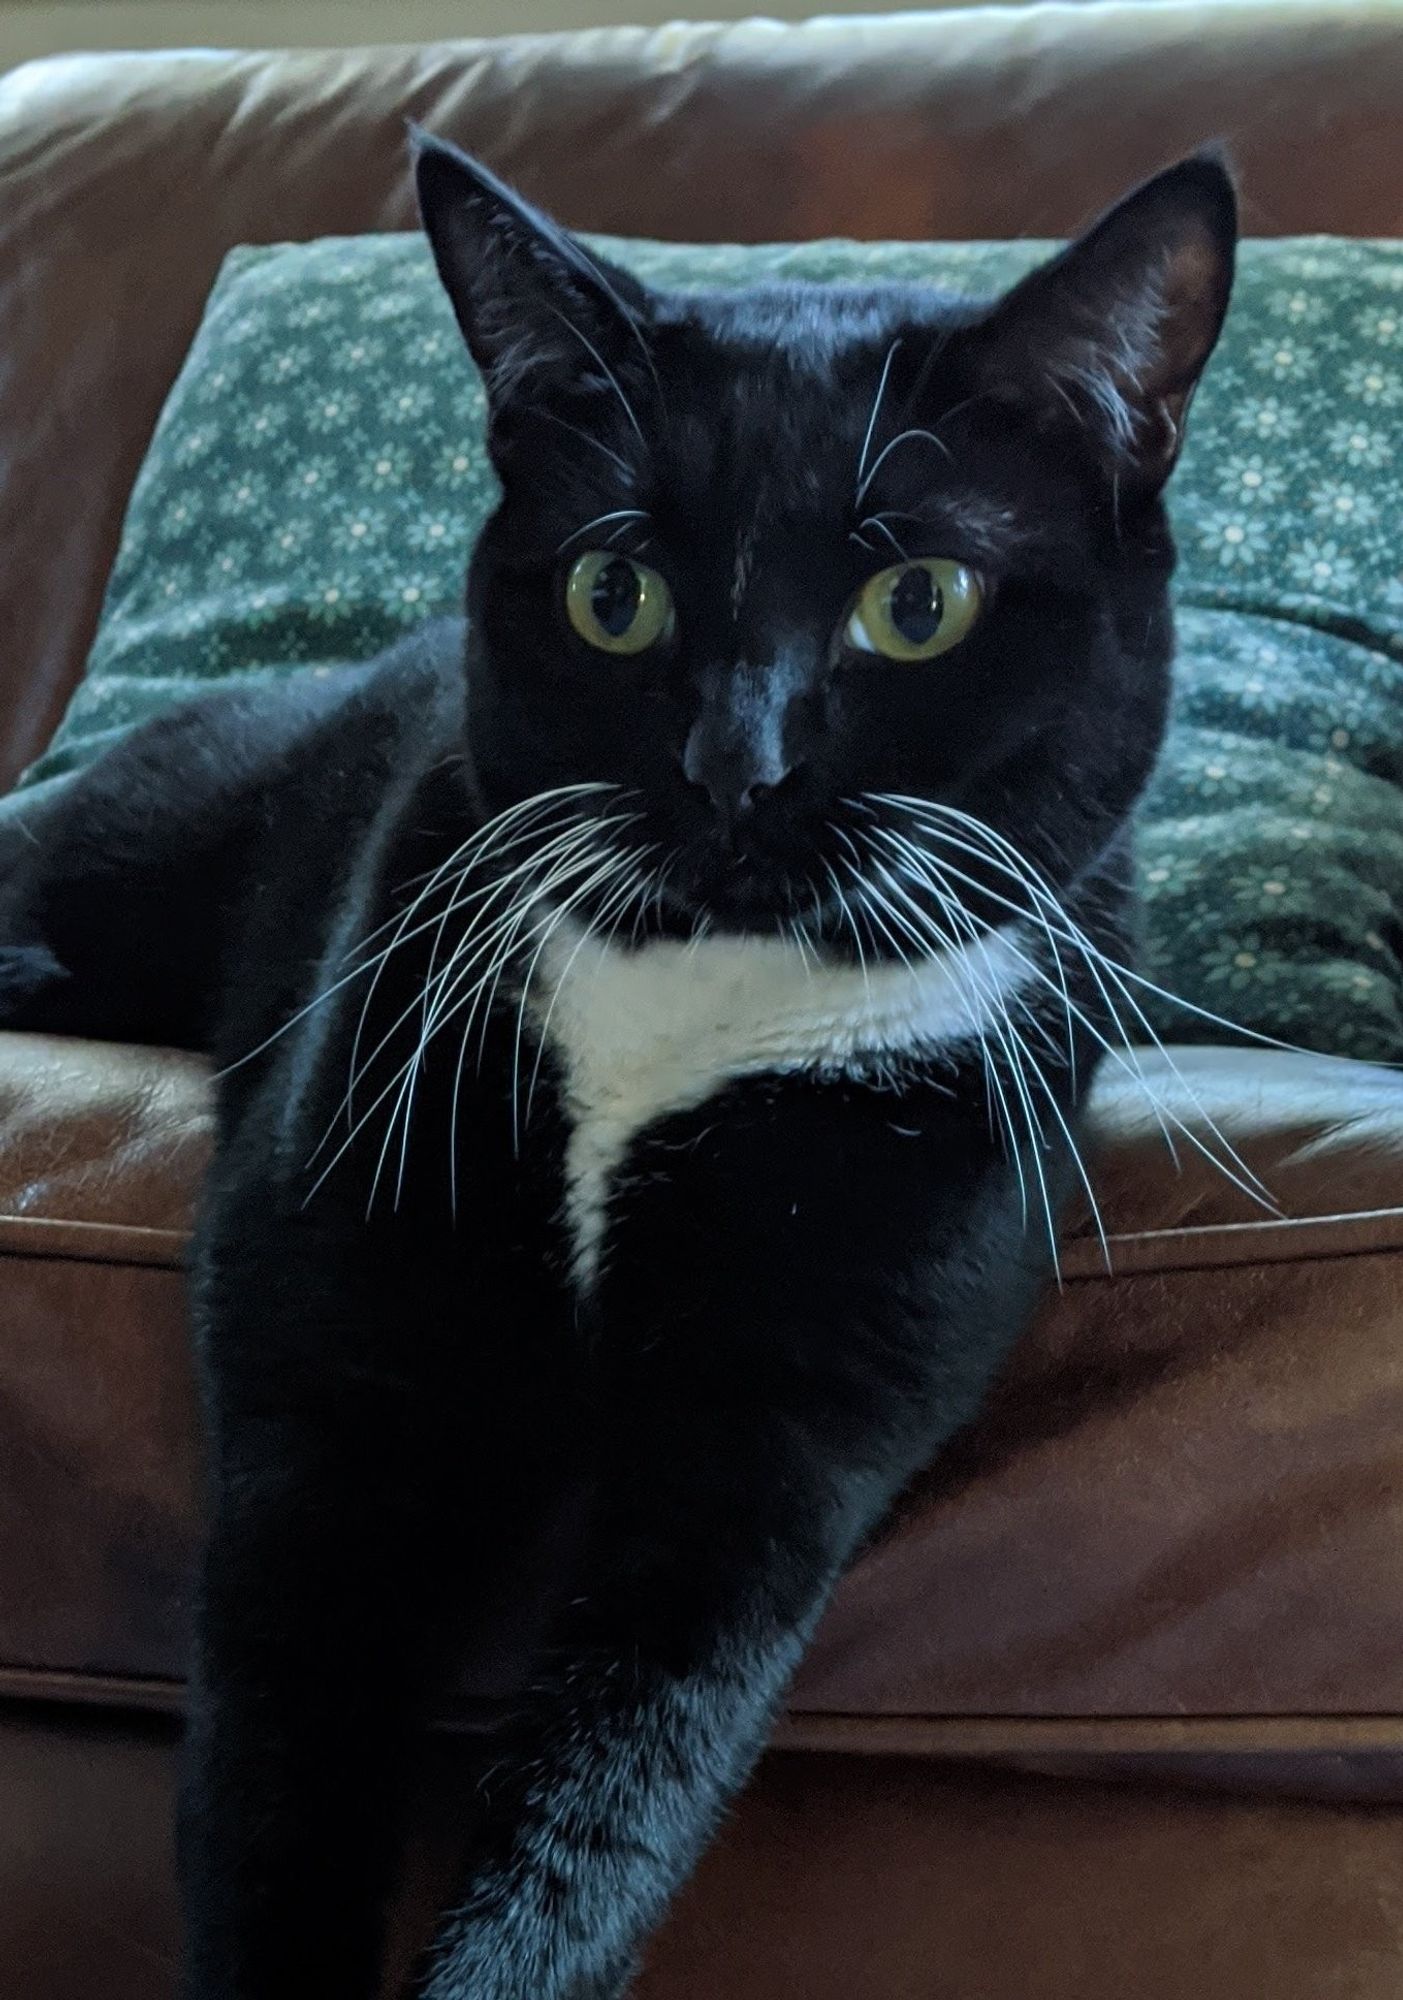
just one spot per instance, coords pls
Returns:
(1117, 1705)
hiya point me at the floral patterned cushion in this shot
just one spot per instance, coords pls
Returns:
(319, 471)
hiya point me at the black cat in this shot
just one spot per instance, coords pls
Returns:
(652, 1021)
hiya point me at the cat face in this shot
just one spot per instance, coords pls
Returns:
(803, 574)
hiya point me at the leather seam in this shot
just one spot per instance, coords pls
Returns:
(61, 1240)
(1141, 1733)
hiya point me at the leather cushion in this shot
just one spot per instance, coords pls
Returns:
(836, 1878)
(1185, 1502)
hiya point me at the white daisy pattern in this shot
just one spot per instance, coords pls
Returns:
(1359, 443)
(1325, 567)
(1381, 325)
(1232, 537)
(1344, 503)
(1267, 417)
(1376, 384)
(1285, 357)
(1252, 480)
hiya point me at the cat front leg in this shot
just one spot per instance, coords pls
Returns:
(737, 1497)
(299, 1720)
(775, 1359)
(649, 1716)
(364, 1502)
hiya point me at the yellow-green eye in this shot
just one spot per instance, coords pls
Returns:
(915, 609)
(617, 604)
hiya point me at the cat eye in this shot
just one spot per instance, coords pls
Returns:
(915, 609)
(616, 604)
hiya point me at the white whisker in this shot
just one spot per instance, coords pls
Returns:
(959, 915)
(845, 910)
(1097, 962)
(628, 889)
(902, 437)
(620, 514)
(616, 865)
(564, 857)
(605, 370)
(1009, 1040)
(585, 437)
(872, 419)
(577, 835)
(999, 854)
(430, 877)
(876, 521)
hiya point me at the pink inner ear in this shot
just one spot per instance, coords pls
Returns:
(1157, 394)
(1193, 298)
(1115, 332)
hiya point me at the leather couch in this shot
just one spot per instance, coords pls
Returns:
(1117, 1704)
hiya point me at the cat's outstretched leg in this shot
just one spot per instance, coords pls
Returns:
(300, 1717)
(359, 1516)
(762, 1399)
(650, 1718)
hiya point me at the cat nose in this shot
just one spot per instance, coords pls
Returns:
(735, 774)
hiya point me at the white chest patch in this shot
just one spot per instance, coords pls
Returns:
(641, 1034)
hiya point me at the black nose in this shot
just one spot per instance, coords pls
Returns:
(735, 774)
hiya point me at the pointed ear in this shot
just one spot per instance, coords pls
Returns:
(1115, 331)
(532, 302)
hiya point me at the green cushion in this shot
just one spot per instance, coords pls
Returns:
(319, 472)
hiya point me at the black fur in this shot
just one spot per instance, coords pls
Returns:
(810, 1277)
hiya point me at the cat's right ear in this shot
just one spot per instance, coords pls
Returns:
(1116, 330)
(535, 306)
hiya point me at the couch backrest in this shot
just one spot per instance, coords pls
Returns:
(123, 180)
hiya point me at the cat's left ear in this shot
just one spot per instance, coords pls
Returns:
(533, 303)
(1116, 330)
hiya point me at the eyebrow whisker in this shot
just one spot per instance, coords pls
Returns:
(616, 458)
(902, 437)
(605, 370)
(876, 521)
(620, 514)
(872, 420)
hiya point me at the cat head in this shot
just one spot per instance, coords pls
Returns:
(804, 572)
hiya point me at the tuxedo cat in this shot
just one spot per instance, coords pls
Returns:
(652, 1021)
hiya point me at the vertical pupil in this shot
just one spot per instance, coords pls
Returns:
(916, 605)
(614, 598)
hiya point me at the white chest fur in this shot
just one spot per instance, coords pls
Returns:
(640, 1034)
